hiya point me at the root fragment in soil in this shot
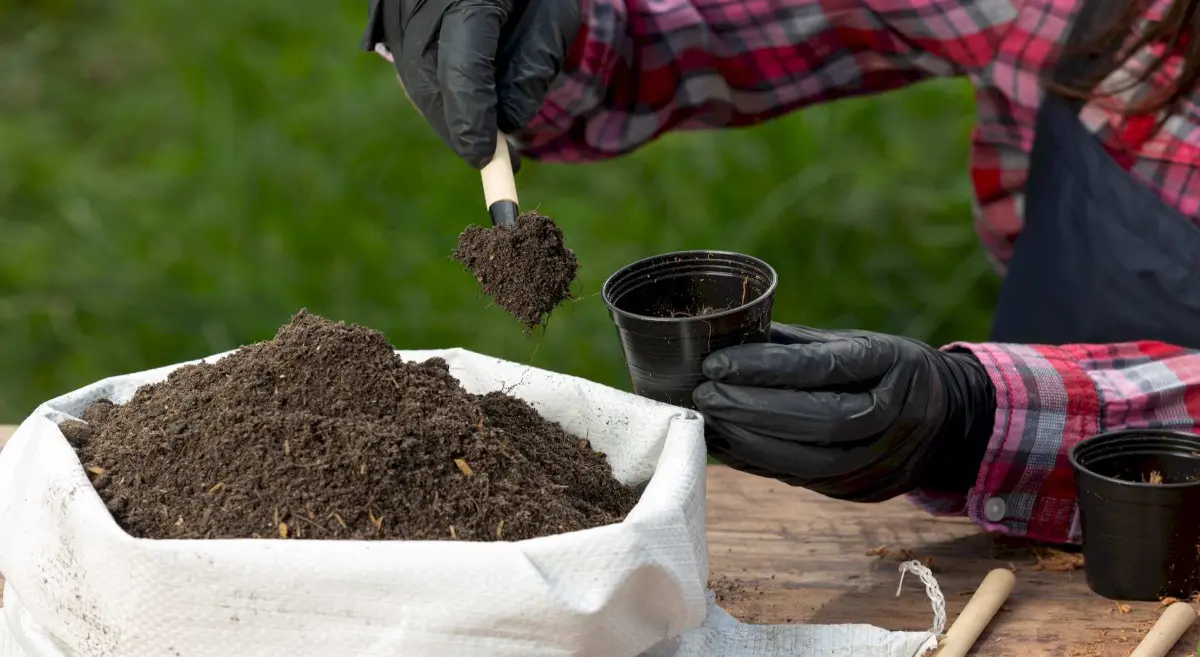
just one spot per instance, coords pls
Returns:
(696, 312)
(324, 433)
(526, 269)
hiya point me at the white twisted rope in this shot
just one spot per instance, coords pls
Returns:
(936, 599)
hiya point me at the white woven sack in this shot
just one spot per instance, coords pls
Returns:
(78, 586)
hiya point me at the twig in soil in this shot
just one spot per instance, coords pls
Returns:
(311, 523)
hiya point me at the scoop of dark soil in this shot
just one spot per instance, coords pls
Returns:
(324, 433)
(526, 269)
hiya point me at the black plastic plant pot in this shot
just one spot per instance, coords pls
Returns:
(673, 310)
(1139, 503)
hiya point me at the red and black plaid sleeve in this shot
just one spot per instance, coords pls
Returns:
(644, 67)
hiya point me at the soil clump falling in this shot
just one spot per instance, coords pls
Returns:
(526, 269)
(324, 433)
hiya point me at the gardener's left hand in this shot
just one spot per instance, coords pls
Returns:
(853, 415)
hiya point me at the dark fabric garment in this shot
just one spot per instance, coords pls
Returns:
(1101, 257)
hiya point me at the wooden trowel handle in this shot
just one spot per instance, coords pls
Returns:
(499, 186)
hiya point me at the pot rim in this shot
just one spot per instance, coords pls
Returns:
(772, 284)
(1073, 456)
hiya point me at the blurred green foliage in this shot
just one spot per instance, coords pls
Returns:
(177, 178)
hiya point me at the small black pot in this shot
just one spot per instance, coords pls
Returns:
(673, 310)
(1141, 540)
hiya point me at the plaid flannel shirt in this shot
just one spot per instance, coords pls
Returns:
(640, 68)
(643, 67)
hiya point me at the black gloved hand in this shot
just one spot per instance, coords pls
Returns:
(474, 66)
(853, 415)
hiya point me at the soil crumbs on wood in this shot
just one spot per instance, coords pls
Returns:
(726, 589)
(1113, 642)
(737, 596)
(526, 269)
(324, 433)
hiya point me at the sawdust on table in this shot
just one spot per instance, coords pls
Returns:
(898, 554)
(1113, 643)
(1058, 561)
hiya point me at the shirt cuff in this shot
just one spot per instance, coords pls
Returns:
(1045, 404)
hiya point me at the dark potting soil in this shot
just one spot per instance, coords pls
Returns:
(526, 269)
(323, 433)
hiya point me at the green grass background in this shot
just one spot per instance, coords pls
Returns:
(178, 178)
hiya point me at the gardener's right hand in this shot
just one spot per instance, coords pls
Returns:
(472, 67)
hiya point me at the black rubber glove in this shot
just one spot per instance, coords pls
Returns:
(474, 66)
(853, 415)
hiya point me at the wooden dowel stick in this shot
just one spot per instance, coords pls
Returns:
(1166, 632)
(980, 609)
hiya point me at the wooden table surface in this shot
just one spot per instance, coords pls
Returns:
(780, 555)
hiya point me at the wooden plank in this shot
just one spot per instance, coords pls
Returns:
(779, 554)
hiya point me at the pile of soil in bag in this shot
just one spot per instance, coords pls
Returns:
(324, 433)
(526, 269)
